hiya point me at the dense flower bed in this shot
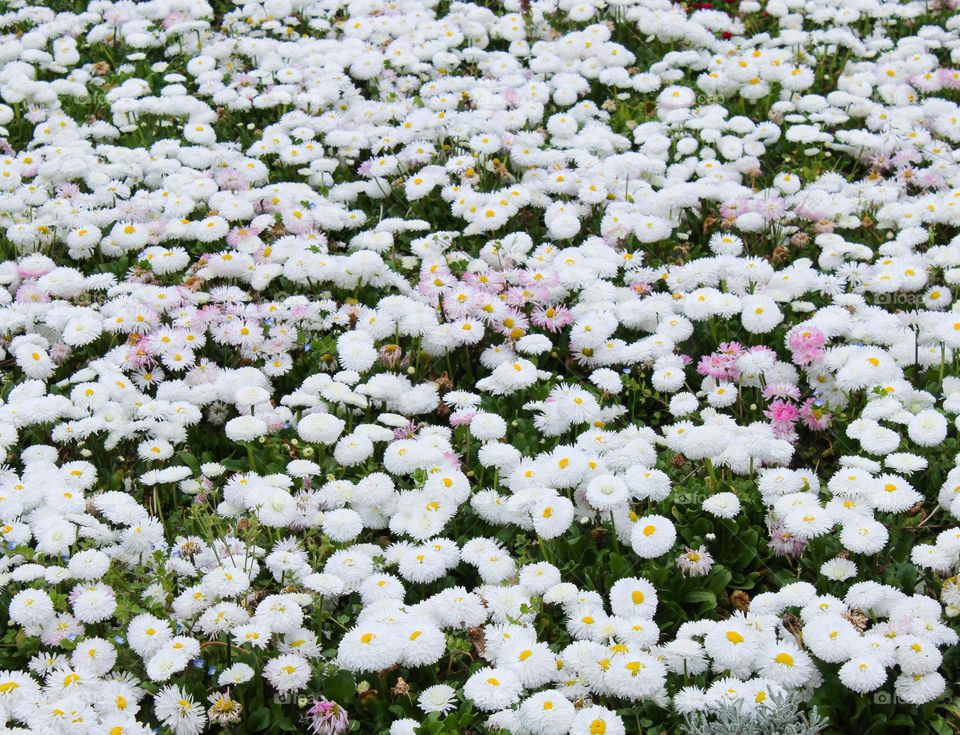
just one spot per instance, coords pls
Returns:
(555, 367)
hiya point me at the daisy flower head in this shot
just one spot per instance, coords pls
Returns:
(652, 536)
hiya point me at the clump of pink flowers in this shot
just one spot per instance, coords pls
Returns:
(813, 415)
(326, 717)
(785, 543)
(783, 417)
(806, 345)
(722, 364)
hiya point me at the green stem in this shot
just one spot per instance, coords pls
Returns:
(710, 471)
(544, 551)
(616, 539)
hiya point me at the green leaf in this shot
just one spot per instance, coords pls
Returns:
(703, 596)
(190, 461)
(341, 687)
(719, 578)
(258, 720)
